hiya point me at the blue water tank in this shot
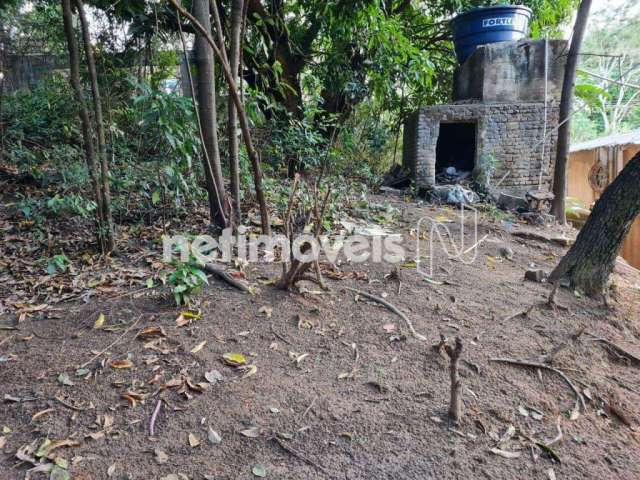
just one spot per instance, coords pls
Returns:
(499, 23)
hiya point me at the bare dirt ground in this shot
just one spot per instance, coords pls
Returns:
(340, 389)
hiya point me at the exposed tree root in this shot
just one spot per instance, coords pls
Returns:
(225, 277)
(390, 307)
(550, 357)
(527, 363)
(617, 349)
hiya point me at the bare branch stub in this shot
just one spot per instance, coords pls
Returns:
(455, 403)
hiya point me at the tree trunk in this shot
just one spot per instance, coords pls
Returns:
(99, 125)
(85, 122)
(590, 260)
(566, 104)
(242, 117)
(208, 116)
(237, 9)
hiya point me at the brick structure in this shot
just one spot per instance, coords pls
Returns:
(499, 111)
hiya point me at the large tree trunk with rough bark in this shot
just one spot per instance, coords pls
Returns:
(85, 121)
(109, 234)
(205, 79)
(237, 9)
(566, 104)
(590, 260)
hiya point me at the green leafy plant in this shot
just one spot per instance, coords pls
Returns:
(71, 203)
(484, 170)
(185, 281)
(58, 263)
(167, 124)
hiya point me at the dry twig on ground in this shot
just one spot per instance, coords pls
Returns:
(111, 345)
(291, 451)
(154, 417)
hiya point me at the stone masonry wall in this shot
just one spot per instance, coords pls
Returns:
(512, 133)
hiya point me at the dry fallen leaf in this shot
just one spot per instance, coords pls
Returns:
(213, 376)
(234, 359)
(120, 364)
(133, 398)
(181, 321)
(300, 358)
(151, 332)
(99, 323)
(251, 432)
(185, 318)
(107, 421)
(49, 446)
(389, 327)
(199, 347)
(249, 370)
(161, 457)
(173, 383)
(213, 437)
(259, 470)
(64, 379)
(194, 441)
(265, 311)
(505, 453)
(42, 413)
(96, 435)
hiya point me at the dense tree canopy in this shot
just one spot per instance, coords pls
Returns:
(320, 80)
(611, 54)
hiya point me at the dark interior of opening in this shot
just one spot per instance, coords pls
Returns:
(456, 148)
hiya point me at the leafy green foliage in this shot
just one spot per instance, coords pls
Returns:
(70, 204)
(611, 51)
(166, 123)
(40, 126)
(185, 281)
(58, 263)
(152, 138)
(326, 83)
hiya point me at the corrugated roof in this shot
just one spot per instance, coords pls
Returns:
(629, 138)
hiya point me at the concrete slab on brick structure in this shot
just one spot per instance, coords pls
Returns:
(512, 72)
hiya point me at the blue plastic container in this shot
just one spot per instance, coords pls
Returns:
(499, 23)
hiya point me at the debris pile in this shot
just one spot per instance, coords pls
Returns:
(397, 177)
(452, 176)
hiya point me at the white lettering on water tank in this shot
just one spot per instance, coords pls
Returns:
(495, 22)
